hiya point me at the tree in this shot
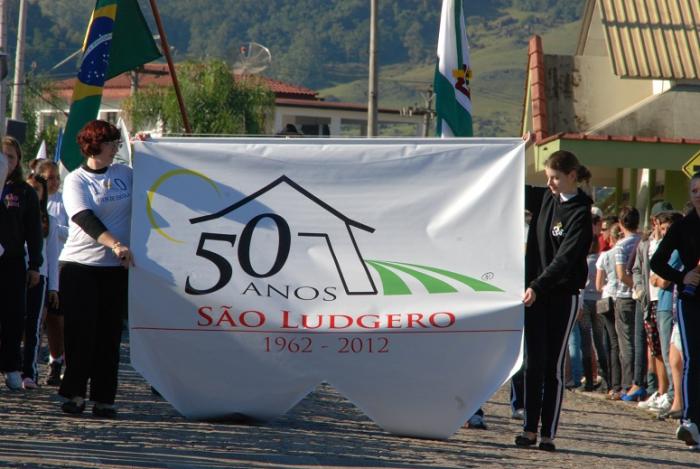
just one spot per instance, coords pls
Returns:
(37, 93)
(302, 63)
(216, 101)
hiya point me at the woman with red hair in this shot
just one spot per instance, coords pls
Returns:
(94, 263)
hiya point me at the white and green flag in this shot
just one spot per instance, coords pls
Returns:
(452, 74)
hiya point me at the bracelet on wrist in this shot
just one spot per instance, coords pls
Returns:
(116, 245)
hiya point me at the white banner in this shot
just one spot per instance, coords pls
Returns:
(391, 269)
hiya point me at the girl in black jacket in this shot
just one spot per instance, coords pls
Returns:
(21, 224)
(684, 236)
(559, 239)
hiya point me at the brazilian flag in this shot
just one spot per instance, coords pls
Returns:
(117, 40)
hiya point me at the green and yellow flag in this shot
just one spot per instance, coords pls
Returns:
(117, 40)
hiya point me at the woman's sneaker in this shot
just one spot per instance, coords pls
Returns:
(688, 432)
(29, 383)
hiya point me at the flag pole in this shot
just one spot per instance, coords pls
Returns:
(372, 125)
(171, 67)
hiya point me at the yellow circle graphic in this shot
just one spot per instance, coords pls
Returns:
(157, 184)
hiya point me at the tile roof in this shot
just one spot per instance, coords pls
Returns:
(120, 87)
(338, 105)
(538, 97)
(657, 39)
(617, 138)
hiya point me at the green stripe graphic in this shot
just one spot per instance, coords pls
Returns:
(393, 285)
(432, 284)
(471, 282)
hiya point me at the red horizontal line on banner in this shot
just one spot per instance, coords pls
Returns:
(308, 332)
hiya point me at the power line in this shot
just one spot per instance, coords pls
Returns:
(40, 95)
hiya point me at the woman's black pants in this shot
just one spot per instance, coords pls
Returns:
(548, 323)
(13, 307)
(93, 300)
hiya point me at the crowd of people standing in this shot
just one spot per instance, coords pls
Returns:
(618, 305)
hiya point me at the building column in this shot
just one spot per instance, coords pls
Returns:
(335, 126)
(651, 186)
(277, 127)
(646, 196)
(676, 189)
(634, 186)
(618, 189)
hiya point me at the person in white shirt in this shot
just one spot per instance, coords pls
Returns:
(54, 318)
(606, 283)
(94, 264)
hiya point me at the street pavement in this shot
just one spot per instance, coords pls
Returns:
(324, 430)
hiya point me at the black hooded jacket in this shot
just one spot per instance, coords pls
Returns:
(20, 222)
(558, 242)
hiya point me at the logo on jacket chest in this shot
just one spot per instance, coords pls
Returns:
(12, 201)
(558, 230)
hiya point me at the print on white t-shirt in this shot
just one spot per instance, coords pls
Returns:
(108, 195)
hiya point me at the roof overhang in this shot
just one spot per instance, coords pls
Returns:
(653, 39)
(609, 151)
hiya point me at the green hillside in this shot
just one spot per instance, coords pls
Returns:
(499, 67)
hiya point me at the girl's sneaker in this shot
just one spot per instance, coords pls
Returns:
(29, 383)
(688, 432)
(13, 380)
(650, 402)
(662, 404)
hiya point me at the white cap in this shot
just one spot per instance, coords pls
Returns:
(596, 211)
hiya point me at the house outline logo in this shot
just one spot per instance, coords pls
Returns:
(433, 280)
(349, 225)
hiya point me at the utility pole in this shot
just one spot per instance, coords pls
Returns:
(3, 50)
(427, 110)
(18, 91)
(372, 127)
(428, 96)
(134, 75)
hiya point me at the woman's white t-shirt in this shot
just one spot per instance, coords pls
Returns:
(108, 195)
(606, 263)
